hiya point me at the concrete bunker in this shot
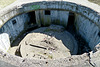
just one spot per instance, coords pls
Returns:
(83, 26)
(44, 18)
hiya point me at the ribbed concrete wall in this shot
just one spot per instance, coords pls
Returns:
(12, 29)
(88, 30)
(56, 17)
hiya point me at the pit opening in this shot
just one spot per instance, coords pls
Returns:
(71, 22)
(82, 44)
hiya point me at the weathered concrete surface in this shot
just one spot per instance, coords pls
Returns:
(5, 64)
(88, 30)
(74, 61)
(95, 58)
(59, 17)
(13, 50)
(15, 26)
(4, 42)
(55, 17)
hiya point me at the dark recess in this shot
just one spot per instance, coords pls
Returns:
(32, 17)
(31, 26)
(47, 12)
(14, 22)
(71, 26)
(32, 23)
(99, 33)
(82, 44)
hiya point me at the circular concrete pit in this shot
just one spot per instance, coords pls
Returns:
(50, 33)
(49, 44)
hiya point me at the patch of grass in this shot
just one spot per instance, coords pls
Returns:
(4, 3)
(95, 1)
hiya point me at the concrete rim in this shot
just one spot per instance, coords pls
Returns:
(18, 8)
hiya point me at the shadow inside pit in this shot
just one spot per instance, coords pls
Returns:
(82, 44)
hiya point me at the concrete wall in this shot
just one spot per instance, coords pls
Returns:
(88, 30)
(13, 28)
(44, 19)
(55, 17)
(59, 17)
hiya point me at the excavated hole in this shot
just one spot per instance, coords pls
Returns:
(71, 28)
(82, 44)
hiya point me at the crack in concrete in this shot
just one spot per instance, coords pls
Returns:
(94, 65)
